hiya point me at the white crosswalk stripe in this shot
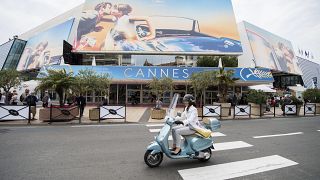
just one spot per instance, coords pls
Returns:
(237, 169)
(230, 145)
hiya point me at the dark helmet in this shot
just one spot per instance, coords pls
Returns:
(189, 98)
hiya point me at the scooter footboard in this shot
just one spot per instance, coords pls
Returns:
(154, 147)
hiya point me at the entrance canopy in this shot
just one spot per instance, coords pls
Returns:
(145, 73)
(263, 87)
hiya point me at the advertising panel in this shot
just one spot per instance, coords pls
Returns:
(148, 73)
(45, 48)
(158, 26)
(271, 51)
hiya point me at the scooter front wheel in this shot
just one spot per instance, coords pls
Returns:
(207, 155)
(153, 160)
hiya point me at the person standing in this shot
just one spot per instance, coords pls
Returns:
(81, 102)
(14, 98)
(31, 101)
(2, 99)
(45, 100)
(24, 96)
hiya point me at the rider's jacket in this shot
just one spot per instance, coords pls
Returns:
(190, 118)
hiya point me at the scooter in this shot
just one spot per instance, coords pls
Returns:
(194, 146)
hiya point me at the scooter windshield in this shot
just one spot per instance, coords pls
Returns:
(173, 104)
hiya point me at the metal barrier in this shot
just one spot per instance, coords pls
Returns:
(242, 110)
(63, 111)
(310, 109)
(211, 111)
(15, 112)
(290, 110)
(112, 112)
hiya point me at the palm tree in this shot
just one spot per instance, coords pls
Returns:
(201, 82)
(224, 79)
(58, 80)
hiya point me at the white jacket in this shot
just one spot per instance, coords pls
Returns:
(190, 118)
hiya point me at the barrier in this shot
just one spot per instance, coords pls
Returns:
(112, 112)
(290, 110)
(211, 111)
(310, 109)
(242, 110)
(12, 113)
(58, 113)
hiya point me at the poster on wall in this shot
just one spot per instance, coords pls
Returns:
(45, 48)
(158, 26)
(271, 51)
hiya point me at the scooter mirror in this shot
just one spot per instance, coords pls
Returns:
(179, 114)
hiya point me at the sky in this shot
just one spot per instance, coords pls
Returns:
(295, 20)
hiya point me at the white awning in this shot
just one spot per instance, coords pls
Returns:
(297, 88)
(264, 88)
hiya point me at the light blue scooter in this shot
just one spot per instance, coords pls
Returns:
(194, 146)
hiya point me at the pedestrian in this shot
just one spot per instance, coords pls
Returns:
(14, 98)
(105, 101)
(31, 100)
(45, 99)
(2, 99)
(81, 102)
(158, 104)
(8, 97)
(24, 96)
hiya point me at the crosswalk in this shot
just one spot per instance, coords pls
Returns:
(231, 169)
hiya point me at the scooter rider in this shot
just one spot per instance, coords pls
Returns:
(186, 123)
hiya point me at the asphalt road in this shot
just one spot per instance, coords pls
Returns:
(116, 152)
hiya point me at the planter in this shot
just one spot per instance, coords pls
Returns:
(67, 114)
(317, 108)
(256, 110)
(94, 114)
(225, 109)
(199, 112)
(158, 114)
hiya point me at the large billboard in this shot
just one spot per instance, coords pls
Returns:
(271, 51)
(45, 48)
(158, 27)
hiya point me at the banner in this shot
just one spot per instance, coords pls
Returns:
(148, 72)
(271, 51)
(158, 26)
(45, 48)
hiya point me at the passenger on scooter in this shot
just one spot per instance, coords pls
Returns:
(186, 124)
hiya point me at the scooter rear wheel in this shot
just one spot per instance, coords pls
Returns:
(207, 155)
(153, 160)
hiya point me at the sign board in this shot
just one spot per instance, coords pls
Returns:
(310, 109)
(242, 110)
(211, 111)
(148, 73)
(112, 112)
(158, 27)
(14, 113)
(290, 109)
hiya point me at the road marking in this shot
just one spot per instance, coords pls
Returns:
(154, 125)
(105, 125)
(277, 135)
(237, 169)
(230, 145)
(154, 130)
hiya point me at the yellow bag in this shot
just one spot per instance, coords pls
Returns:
(203, 132)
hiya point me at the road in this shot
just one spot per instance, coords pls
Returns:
(287, 148)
